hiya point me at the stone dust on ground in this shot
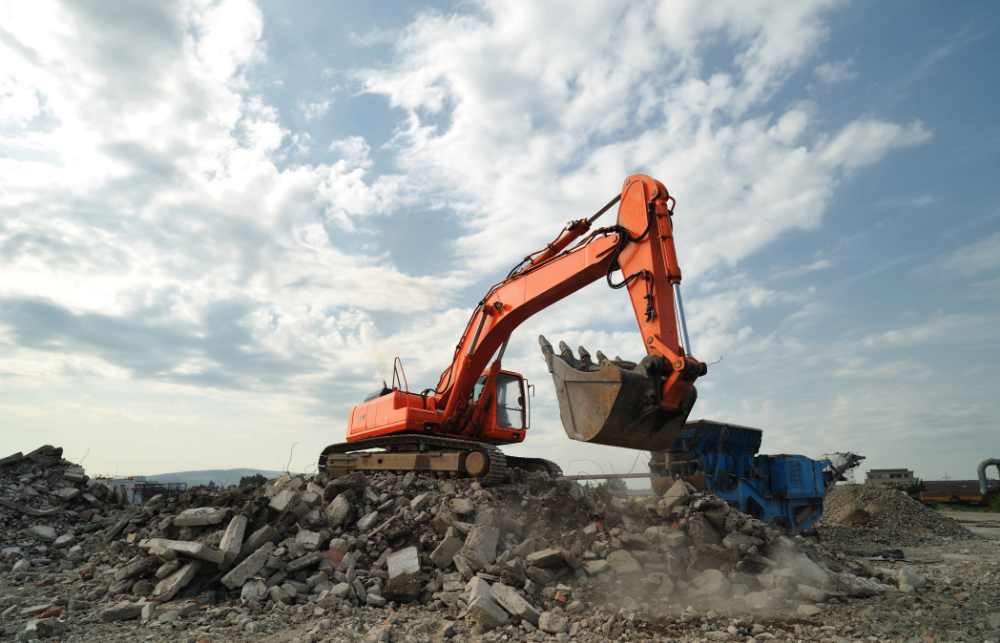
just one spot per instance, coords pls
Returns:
(416, 559)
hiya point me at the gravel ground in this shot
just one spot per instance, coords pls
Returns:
(369, 559)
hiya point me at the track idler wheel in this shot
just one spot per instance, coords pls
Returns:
(612, 402)
(476, 464)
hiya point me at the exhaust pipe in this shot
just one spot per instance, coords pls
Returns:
(985, 464)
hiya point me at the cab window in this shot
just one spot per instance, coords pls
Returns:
(510, 402)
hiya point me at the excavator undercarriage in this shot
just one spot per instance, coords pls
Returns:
(430, 455)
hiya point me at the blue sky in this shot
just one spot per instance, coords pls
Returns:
(220, 221)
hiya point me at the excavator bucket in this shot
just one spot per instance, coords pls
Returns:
(612, 402)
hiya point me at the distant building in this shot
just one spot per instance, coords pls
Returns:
(883, 477)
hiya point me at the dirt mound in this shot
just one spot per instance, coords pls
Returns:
(864, 518)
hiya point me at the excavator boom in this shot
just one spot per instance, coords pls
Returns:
(612, 402)
(608, 405)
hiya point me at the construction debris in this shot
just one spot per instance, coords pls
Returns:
(864, 518)
(412, 558)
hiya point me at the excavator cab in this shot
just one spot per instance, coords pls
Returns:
(510, 417)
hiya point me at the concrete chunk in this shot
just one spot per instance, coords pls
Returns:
(676, 495)
(339, 510)
(368, 521)
(444, 554)
(75, 474)
(201, 516)
(419, 502)
(622, 562)
(478, 587)
(167, 588)
(511, 601)
(135, 567)
(854, 586)
(308, 538)
(404, 561)
(480, 547)
(184, 548)
(264, 535)
(42, 532)
(249, 567)
(712, 583)
(487, 613)
(232, 541)
(285, 499)
(553, 622)
(544, 558)
(68, 493)
(307, 560)
(122, 612)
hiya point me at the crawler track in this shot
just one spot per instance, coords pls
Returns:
(496, 472)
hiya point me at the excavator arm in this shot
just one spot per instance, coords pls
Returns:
(637, 406)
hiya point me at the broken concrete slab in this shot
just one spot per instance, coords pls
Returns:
(167, 588)
(67, 494)
(183, 548)
(122, 612)
(135, 567)
(622, 562)
(404, 561)
(285, 499)
(444, 554)
(510, 600)
(553, 623)
(480, 547)
(232, 541)
(256, 540)
(201, 516)
(478, 587)
(544, 558)
(75, 474)
(855, 586)
(249, 567)
(419, 502)
(368, 521)
(490, 615)
(339, 510)
(711, 583)
(594, 567)
(403, 588)
(42, 532)
(305, 561)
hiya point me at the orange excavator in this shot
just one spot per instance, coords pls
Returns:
(455, 429)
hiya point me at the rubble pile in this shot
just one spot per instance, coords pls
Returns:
(864, 518)
(414, 558)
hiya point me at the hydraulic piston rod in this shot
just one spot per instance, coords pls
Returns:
(681, 322)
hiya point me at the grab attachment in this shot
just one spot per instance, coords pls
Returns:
(614, 402)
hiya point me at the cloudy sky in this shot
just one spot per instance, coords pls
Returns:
(221, 221)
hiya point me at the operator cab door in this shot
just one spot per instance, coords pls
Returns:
(509, 417)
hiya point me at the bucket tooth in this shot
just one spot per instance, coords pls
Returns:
(614, 405)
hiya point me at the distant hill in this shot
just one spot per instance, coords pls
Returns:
(221, 477)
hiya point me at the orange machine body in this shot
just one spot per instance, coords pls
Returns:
(505, 417)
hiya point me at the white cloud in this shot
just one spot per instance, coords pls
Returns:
(315, 110)
(836, 72)
(164, 264)
(983, 255)
(530, 121)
